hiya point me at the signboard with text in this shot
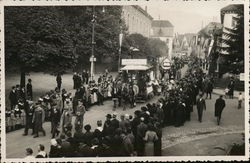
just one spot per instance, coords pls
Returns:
(134, 62)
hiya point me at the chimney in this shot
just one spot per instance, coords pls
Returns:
(146, 8)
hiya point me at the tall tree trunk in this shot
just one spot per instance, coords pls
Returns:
(22, 79)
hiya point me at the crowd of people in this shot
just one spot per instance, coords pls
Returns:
(128, 135)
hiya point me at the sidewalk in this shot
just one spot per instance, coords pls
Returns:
(220, 91)
(219, 145)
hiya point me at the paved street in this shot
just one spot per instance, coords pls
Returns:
(193, 131)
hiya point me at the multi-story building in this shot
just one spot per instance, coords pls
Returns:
(137, 20)
(228, 14)
(163, 30)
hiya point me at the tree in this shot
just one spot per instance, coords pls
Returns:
(36, 40)
(108, 25)
(136, 41)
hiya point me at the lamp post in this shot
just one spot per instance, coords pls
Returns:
(92, 58)
(120, 49)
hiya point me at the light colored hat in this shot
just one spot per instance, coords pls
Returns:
(126, 116)
(53, 142)
(142, 119)
(147, 112)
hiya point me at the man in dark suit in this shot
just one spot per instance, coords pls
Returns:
(13, 98)
(29, 90)
(38, 119)
(55, 119)
(59, 81)
(201, 105)
(219, 106)
(29, 111)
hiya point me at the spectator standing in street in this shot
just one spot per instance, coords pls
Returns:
(59, 81)
(38, 119)
(84, 76)
(150, 138)
(80, 111)
(231, 89)
(29, 111)
(74, 80)
(219, 106)
(29, 90)
(55, 119)
(209, 89)
(201, 105)
(13, 98)
(240, 99)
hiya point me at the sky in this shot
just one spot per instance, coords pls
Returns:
(187, 17)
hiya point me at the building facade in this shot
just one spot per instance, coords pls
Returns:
(227, 20)
(163, 30)
(137, 20)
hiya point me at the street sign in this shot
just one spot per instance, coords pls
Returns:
(92, 59)
(134, 61)
(166, 64)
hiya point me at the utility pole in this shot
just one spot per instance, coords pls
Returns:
(92, 58)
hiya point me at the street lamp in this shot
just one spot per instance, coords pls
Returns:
(92, 58)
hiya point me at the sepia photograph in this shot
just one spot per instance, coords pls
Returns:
(135, 80)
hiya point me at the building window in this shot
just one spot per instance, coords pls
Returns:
(234, 22)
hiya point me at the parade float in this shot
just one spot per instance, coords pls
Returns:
(140, 72)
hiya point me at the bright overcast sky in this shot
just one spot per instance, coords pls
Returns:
(187, 17)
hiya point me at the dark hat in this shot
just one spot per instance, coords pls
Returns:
(109, 116)
(87, 127)
(137, 112)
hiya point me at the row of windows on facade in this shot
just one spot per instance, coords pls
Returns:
(135, 25)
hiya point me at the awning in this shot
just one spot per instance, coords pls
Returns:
(136, 67)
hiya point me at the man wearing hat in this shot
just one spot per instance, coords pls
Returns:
(38, 119)
(201, 105)
(29, 111)
(141, 130)
(80, 111)
(55, 119)
(88, 135)
(29, 90)
(107, 124)
(114, 121)
(13, 98)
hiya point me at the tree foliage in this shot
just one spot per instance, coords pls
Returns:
(148, 47)
(36, 40)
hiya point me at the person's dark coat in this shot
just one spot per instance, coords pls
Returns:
(29, 90)
(219, 106)
(115, 123)
(98, 134)
(13, 98)
(54, 152)
(66, 149)
(158, 142)
(38, 119)
(79, 137)
(85, 151)
(88, 136)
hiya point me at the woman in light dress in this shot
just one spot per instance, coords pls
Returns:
(150, 138)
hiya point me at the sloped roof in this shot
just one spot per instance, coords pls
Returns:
(230, 9)
(161, 23)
